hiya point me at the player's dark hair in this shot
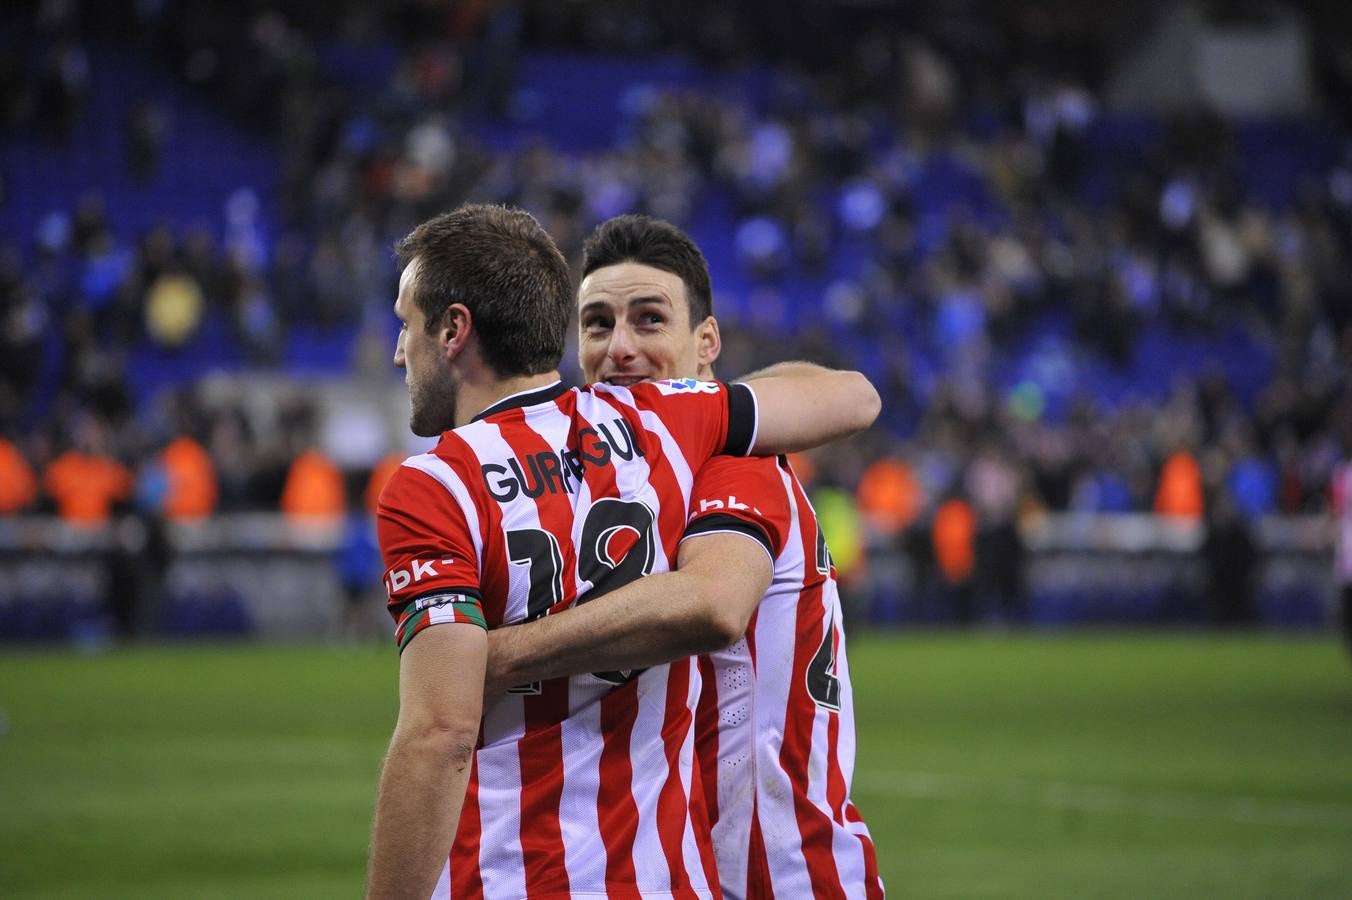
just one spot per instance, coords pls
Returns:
(507, 271)
(652, 242)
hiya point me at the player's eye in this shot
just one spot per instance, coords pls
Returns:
(651, 319)
(595, 325)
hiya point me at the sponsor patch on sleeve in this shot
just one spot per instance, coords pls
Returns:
(686, 386)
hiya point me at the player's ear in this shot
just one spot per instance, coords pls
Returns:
(453, 334)
(709, 344)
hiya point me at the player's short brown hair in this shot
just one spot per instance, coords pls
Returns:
(652, 242)
(507, 271)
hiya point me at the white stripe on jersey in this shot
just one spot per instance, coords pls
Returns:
(501, 863)
(776, 637)
(734, 679)
(755, 418)
(648, 757)
(584, 850)
(438, 468)
(670, 449)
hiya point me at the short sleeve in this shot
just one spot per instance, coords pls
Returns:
(744, 496)
(431, 566)
(707, 418)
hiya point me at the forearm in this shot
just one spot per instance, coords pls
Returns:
(422, 787)
(702, 607)
(651, 621)
(802, 405)
(422, 784)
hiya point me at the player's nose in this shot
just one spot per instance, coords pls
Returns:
(623, 348)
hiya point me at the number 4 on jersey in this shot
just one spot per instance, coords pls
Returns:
(822, 684)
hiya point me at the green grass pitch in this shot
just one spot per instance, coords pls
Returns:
(1026, 766)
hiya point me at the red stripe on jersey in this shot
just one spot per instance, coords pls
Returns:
(616, 812)
(814, 828)
(465, 879)
(706, 738)
(873, 885)
(758, 883)
(672, 808)
(541, 749)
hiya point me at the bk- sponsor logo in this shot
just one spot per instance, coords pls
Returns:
(730, 503)
(398, 579)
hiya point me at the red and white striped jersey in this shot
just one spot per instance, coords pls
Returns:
(582, 785)
(775, 721)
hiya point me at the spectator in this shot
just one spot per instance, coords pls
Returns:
(85, 481)
(315, 490)
(1180, 488)
(191, 490)
(954, 539)
(890, 497)
(18, 485)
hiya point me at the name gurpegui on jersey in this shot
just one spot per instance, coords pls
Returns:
(775, 722)
(586, 784)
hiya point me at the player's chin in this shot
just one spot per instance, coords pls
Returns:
(424, 429)
(426, 421)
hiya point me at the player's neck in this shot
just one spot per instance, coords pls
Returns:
(473, 399)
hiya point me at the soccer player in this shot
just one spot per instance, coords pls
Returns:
(541, 497)
(775, 722)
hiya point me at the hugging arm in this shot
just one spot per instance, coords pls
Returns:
(704, 605)
(801, 405)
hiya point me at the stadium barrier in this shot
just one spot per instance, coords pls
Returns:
(259, 573)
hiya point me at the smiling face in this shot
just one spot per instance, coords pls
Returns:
(431, 387)
(635, 326)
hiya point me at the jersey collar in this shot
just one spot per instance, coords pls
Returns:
(525, 398)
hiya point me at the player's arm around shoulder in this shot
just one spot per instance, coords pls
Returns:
(801, 405)
(427, 766)
(724, 567)
(703, 606)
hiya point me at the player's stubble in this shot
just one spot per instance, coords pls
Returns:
(432, 405)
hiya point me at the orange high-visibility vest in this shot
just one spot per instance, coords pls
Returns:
(86, 486)
(314, 488)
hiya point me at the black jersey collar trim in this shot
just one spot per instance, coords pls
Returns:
(530, 397)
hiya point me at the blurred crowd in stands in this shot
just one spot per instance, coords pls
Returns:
(822, 181)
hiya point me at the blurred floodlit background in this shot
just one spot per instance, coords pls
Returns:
(1098, 261)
